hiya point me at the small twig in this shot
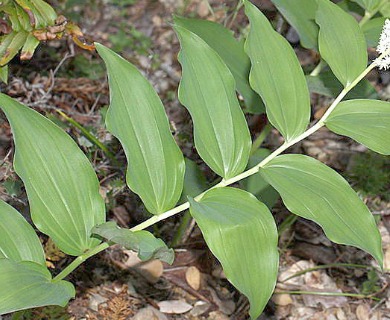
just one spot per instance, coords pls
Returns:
(326, 293)
(6, 157)
(53, 73)
(327, 266)
(235, 13)
(88, 135)
(209, 7)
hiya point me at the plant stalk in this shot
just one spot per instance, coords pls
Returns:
(79, 260)
(157, 218)
(260, 139)
(274, 154)
(88, 135)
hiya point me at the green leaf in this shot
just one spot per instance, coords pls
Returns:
(23, 18)
(143, 242)
(372, 30)
(241, 232)
(366, 121)
(44, 15)
(29, 47)
(61, 185)
(351, 7)
(341, 42)
(4, 74)
(277, 76)
(18, 241)
(12, 12)
(314, 191)
(385, 10)
(136, 117)
(256, 184)
(232, 53)
(25, 285)
(327, 84)
(13, 187)
(369, 5)
(13, 42)
(194, 180)
(221, 134)
(301, 15)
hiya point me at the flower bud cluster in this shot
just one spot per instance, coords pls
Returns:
(383, 48)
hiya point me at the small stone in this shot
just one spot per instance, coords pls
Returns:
(131, 289)
(95, 300)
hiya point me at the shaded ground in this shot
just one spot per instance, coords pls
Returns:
(114, 284)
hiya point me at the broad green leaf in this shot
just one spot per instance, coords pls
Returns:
(18, 241)
(194, 180)
(369, 5)
(136, 117)
(4, 74)
(351, 7)
(143, 242)
(25, 285)
(221, 134)
(256, 184)
(277, 76)
(366, 121)
(314, 191)
(372, 30)
(301, 15)
(241, 232)
(341, 42)
(61, 185)
(385, 10)
(232, 53)
(328, 85)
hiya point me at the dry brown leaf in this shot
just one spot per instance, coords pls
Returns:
(149, 313)
(193, 277)
(283, 299)
(174, 306)
(363, 312)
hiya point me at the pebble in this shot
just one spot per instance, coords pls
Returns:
(95, 300)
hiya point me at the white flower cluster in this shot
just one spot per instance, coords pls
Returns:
(384, 47)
